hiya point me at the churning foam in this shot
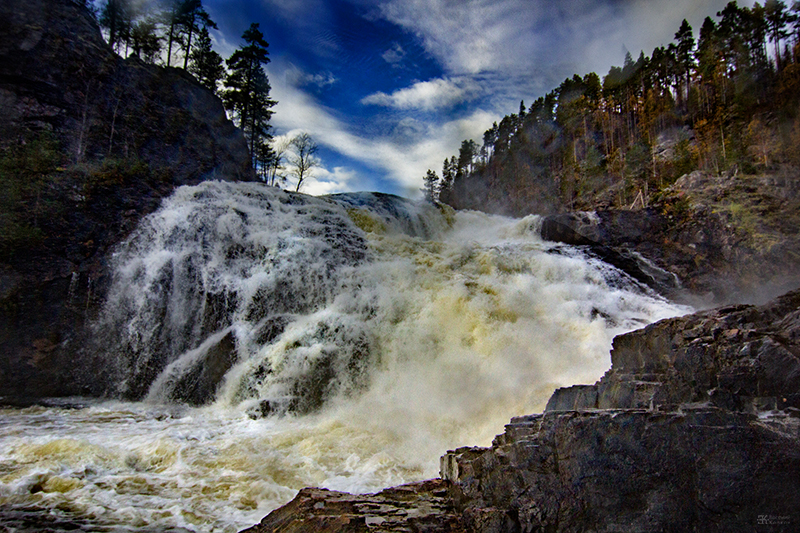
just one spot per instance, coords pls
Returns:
(365, 336)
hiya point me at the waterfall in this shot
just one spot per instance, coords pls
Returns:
(280, 302)
(218, 274)
(256, 341)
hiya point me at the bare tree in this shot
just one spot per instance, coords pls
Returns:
(303, 160)
(274, 170)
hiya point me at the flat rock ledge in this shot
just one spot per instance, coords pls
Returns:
(424, 507)
(696, 427)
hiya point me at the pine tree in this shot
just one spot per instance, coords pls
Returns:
(446, 183)
(247, 89)
(777, 17)
(115, 16)
(684, 53)
(145, 41)
(193, 17)
(173, 17)
(431, 186)
(205, 63)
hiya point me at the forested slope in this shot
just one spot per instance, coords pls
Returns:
(725, 102)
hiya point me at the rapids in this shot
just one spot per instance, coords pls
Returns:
(258, 341)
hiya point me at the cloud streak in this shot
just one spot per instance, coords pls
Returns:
(426, 95)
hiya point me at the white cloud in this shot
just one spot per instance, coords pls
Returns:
(466, 37)
(324, 181)
(426, 95)
(394, 55)
(404, 163)
(299, 78)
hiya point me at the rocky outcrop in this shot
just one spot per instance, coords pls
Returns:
(423, 507)
(90, 143)
(726, 239)
(696, 427)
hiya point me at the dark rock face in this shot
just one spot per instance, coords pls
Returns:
(57, 74)
(694, 470)
(418, 507)
(726, 239)
(197, 386)
(127, 135)
(696, 427)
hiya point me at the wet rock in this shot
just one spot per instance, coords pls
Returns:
(631, 470)
(199, 385)
(423, 507)
(586, 230)
(726, 239)
(693, 427)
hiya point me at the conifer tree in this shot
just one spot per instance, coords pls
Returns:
(431, 186)
(173, 17)
(247, 90)
(777, 17)
(684, 53)
(145, 41)
(193, 17)
(115, 16)
(446, 183)
(205, 63)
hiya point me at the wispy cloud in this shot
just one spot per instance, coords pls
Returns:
(552, 39)
(426, 95)
(299, 78)
(394, 55)
(324, 181)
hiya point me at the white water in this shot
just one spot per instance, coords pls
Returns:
(372, 353)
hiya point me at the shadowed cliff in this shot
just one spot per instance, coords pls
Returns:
(89, 143)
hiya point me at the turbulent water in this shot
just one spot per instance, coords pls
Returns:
(260, 341)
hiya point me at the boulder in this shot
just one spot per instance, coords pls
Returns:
(423, 507)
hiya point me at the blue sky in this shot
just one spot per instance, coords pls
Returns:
(390, 88)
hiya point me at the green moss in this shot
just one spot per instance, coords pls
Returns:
(448, 213)
(112, 172)
(26, 171)
(366, 221)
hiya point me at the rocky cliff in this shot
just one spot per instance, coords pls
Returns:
(89, 143)
(696, 427)
(726, 238)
